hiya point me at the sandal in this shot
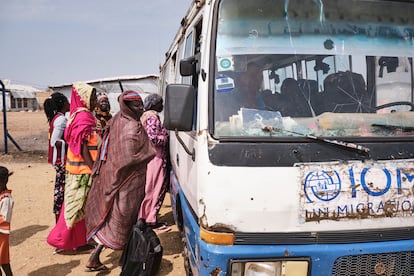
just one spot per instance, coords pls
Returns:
(100, 267)
(58, 251)
(162, 229)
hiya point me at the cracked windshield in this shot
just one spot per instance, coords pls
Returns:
(330, 71)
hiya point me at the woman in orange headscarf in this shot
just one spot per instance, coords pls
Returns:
(82, 139)
(83, 142)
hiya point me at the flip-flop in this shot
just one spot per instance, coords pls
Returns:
(158, 225)
(97, 268)
(58, 251)
(162, 229)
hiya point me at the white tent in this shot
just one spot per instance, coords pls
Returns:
(143, 84)
(20, 97)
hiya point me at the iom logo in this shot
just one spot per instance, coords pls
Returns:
(322, 186)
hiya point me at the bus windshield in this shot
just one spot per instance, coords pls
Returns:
(304, 67)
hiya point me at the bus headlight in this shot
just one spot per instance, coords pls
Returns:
(270, 268)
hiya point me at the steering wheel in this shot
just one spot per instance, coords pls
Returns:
(394, 104)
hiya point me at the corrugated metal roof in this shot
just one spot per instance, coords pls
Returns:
(112, 79)
(143, 84)
(22, 94)
(21, 91)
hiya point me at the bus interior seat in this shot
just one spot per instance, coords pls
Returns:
(345, 92)
(273, 101)
(297, 105)
(308, 87)
(311, 93)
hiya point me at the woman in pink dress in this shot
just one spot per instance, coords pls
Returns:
(156, 184)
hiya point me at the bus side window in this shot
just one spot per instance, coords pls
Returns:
(178, 78)
(192, 48)
(393, 81)
(188, 53)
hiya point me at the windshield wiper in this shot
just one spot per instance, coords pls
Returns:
(394, 127)
(348, 145)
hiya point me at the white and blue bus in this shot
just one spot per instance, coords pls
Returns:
(292, 137)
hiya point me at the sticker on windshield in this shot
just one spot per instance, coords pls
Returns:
(225, 64)
(224, 84)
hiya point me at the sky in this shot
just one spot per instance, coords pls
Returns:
(53, 42)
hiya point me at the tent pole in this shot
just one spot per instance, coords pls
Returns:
(120, 85)
(3, 89)
(6, 132)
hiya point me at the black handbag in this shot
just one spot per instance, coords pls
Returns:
(143, 253)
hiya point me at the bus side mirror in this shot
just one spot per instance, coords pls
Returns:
(190, 66)
(179, 107)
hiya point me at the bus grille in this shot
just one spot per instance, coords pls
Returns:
(386, 264)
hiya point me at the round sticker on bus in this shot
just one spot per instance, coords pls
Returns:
(225, 64)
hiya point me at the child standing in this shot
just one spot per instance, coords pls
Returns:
(6, 207)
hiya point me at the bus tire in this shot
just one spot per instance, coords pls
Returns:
(187, 266)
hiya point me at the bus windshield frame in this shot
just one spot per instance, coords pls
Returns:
(313, 68)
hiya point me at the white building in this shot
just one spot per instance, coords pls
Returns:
(19, 97)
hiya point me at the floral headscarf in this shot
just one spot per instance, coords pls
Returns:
(102, 112)
(81, 122)
(81, 96)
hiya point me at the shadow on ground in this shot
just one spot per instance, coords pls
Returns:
(20, 235)
(56, 269)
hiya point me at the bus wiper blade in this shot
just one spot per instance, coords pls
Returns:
(348, 145)
(394, 127)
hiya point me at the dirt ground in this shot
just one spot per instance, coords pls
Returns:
(32, 186)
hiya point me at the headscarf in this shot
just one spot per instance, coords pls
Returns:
(102, 96)
(151, 100)
(81, 96)
(124, 108)
(103, 116)
(82, 122)
(131, 95)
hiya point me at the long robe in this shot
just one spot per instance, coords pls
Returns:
(118, 180)
(156, 186)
